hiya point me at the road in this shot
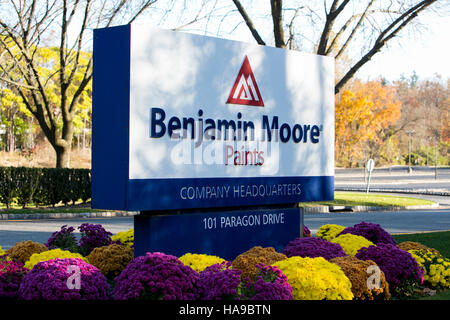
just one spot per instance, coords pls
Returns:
(12, 231)
(407, 221)
(397, 178)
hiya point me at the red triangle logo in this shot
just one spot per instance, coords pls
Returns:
(245, 89)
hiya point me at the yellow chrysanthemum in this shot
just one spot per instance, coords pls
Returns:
(329, 231)
(199, 262)
(125, 237)
(315, 279)
(50, 255)
(351, 243)
(436, 267)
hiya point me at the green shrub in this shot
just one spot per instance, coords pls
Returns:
(27, 182)
(44, 186)
(8, 187)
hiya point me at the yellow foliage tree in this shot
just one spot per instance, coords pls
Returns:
(363, 116)
(43, 55)
(15, 118)
(57, 92)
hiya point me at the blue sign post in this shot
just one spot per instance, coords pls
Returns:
(224, 233)
(212, 141)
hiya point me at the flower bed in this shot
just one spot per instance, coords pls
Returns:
(360, 262)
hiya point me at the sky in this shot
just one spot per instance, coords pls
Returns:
(426, 54)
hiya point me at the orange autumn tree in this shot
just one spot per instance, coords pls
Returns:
(365, 114)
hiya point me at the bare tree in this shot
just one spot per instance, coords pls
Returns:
(28, 25)
(343, 25)
(425, 107)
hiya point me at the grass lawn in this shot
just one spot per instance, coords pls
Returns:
(369, 199)
(444, 295)
(80, 207)
(437, 240)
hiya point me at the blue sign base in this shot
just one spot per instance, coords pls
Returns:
(223, 233)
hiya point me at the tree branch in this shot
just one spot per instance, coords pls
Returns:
(394, 28)
(329, 22)
(291, 28)
(344, 27)
(249, 22)
(18, 84)
(141, 10)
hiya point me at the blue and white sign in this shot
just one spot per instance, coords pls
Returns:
(187, 121)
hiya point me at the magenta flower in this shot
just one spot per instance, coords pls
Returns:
(156, 276)
(93, 236)
(399, 266)
(270, 284)
(64, 279)
(306, 232)
(371, 231)
(63, 239)
(219, 282)
(313, 247)
(12, 273)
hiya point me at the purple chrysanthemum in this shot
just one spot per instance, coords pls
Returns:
(63, 239)
(64, 279)
(156, 276)
(398, 265)
(371, 231)
(313, 247)
(93, 236)
(306, 232)
(270, 284)
(219, 282)
(12, 273)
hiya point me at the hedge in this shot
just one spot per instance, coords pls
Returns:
(44, 186)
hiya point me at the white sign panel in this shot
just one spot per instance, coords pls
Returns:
(191, 91)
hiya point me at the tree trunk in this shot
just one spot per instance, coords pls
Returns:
(277, 19)
(62, 157)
